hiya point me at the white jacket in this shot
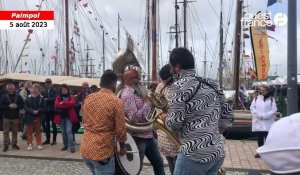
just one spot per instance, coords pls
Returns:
(263, 113)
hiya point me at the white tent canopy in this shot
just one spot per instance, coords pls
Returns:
(58, 80)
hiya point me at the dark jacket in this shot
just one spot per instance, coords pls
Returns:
(79, 100)
(7, 99)
(31, 104)
(49, 96)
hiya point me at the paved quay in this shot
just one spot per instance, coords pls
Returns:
(239, 159)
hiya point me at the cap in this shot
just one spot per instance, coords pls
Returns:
(283, 146)
(133, 67)
(48, 80)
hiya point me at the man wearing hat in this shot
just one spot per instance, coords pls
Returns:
(49, 94)
(137, 107)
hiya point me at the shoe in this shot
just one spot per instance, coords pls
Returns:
(53, 142)
(64, 148)
(72, 150)
(16, 147)
(257, 156)
(46, 142)
(5, 148)
(29, 147)
(39, 147)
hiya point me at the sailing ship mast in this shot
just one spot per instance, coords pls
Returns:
(221, 48)
(237, 45)
(153, 29)
(67, 37)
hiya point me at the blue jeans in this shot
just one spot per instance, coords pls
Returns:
(186, 166)
(171, 163)
(102, 167)
(149, 148)
(66, 131)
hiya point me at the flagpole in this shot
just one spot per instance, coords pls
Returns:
(26, 41)
(292, 89)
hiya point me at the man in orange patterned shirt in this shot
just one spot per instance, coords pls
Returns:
(104, 121)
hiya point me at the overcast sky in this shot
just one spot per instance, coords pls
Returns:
(203, 16)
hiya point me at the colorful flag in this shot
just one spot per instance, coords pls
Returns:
(271, 2)
(53, 57)
(251, 73)
(245, 35)
(272, 27)
(260, 48)
(85, 5)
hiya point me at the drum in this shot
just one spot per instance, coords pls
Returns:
(129, 164)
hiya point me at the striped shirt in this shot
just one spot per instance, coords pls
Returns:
(197, 116)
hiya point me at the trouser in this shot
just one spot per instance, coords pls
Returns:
(171, 163)
(148, 147)
(35, 126)
(10, 124)
(262, 135)
(66, 132)
(101, 167)
(46, 125)
(186, 166)
(23, 126)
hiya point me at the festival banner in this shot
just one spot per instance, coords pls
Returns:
(260, 46)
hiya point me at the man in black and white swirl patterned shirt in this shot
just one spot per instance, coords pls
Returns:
(199, 113)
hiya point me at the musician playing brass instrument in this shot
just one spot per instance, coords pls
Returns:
(137, 106)
(166, 146)
(200, 113)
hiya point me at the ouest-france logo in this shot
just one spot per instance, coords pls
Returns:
(264, 19)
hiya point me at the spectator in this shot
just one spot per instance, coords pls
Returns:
(34, 107)
(65, 116)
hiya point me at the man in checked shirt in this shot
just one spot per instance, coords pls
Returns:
(104, 121)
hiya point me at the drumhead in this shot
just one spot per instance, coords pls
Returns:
(130, 162)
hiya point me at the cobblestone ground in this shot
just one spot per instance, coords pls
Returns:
(21, 166)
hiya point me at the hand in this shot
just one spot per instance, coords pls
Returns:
(61, 103)
(35, 112)
(163, 117)
(122, 151)
(12, 106)
(149, 103)
(222, 130)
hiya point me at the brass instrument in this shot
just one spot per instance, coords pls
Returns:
(154, 121)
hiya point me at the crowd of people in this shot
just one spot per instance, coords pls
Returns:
(36, 108)
(197, 113)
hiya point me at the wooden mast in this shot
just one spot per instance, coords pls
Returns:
(154, 64)
(237, 49)
(67, 37)
(221, 48)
